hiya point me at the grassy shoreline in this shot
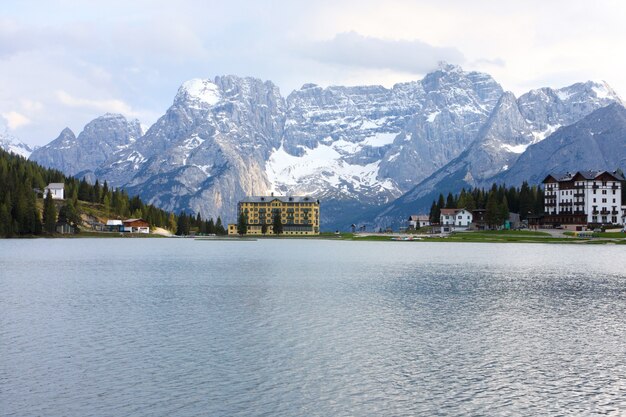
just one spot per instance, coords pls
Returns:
(499, 236)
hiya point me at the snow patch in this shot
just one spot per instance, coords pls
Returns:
(203, 91)
(601, 90)
(380, 139)
(563, 95)
(514, 148)
(323, 163)
(431, 117)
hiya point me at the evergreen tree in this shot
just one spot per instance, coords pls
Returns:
(219, 228)
(441, 203)
(49, 214)
(277, 223)
(435, 213)
(492, 215)
(242, 224)
(450, 203)
(264, 228)
(210, 227)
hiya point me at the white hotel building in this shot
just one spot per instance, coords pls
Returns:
(583, 197)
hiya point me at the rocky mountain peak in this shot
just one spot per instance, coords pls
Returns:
(198, 92)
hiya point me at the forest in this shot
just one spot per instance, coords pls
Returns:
(25, 212)
(498, 201)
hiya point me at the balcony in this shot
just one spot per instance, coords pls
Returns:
(579, 194)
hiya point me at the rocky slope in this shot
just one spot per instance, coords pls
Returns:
(100, 139)
(356, 148)
(513, 126)
(208, 150)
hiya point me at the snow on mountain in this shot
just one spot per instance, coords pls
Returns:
(12, 144)
(356, 148)
(513, 127)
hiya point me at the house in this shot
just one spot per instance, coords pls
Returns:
(583, 197)
(479, 219)
(624, 215)
(299, 215)
(417, 221)
(56, 190)
(136, 226)
(455, 218)
(114, 226)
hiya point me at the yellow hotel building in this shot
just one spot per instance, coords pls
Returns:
(300, 215)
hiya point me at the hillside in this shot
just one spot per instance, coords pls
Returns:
(24, 211)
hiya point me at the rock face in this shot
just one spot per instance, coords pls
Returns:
(355, 148)
(12, 144)
(597, 142)
(100, 139)
(513, 126)
(208, 150)
(371, 143)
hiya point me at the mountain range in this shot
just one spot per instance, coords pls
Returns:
(369, 152)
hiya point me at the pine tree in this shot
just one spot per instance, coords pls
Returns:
(242, 224)
(219, 228)
(49, 214)
(264, 229)
(450, 203)
(277, 223)
(435, 213)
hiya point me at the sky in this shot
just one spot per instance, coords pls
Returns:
(66, 62)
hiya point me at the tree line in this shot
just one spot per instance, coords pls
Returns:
(498, 201)
(24, 211)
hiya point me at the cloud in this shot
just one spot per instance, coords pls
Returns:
(106, 105)
(15, 119)
(355, 50)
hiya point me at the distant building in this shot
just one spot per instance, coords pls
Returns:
(624, 215)
(418, 220)
(299, 215)
(479, 219)
(455, 217)
(136, 226)
(114, 226)
(583, 197)
(56, 189)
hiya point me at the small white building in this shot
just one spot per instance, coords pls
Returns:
(56, 189)
(416, 221)
(624, 215)
(455, 217)
(114, 225)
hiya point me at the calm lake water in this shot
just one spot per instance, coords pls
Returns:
(176, 327)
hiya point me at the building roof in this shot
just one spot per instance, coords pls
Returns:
(451, 211)
(282, 199)
(56, 185)
(423, 217)
(134, 220)
(587, 175)
(413, 217)
(114, 222)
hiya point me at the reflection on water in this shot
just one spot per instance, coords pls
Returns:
(319, 328)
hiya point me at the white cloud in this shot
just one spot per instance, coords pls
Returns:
(130, 57)
(104, 105)
(15, 120)
(355, 50)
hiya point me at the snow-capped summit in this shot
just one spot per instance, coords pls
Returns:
(199, 92)
(355, 147)
(12, 144)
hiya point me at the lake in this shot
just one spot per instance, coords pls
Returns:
(177, 327)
